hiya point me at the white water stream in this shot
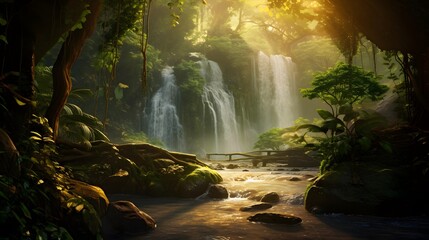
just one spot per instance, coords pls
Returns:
(164, 123)
(278, 95)
(222, 130)
(275, 103)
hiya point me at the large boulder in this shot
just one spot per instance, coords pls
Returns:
(92, 194)
(365, 188)
(217, 191)
(123, 217)
(123, 182)
(139, 169)
(256, 207)
(275, 218)
(271, 197)
(197, 182)
(103, 166)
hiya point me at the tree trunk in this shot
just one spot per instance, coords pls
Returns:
(32, 28)
(69, 52)
(16, 78)
(421, 89)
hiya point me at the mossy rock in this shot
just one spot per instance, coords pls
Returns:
(149, 170)
(102, 170)
(196, 183)
(354, 188)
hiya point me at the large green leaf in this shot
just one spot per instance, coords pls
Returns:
(99, 135)
(325, 114)
(365, 125)
(80, 94)
(333, 124)
(119, 93)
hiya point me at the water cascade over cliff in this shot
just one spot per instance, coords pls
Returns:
(220, 125)
(277, 93)
(163, 121)
(214, 124)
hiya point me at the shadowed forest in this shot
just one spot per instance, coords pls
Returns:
(103, 99)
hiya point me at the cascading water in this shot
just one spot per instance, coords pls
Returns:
(273, 104)
(219, 109)
(277, 91)
(164, 123)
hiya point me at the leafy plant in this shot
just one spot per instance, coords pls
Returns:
(139, 137)
(272, 139)
(31, 202)
(351, 140)
(75, 125)
(189, 78)
(276, 138)
(80, 127)
(348, 132)
(344, 85)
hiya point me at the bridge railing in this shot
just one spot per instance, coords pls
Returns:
(247, 155)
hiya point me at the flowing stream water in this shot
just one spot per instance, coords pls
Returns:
(205, 219)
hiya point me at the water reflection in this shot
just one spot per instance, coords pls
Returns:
(205, 218)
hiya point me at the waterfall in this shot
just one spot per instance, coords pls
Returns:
(219, 110)
(277, 91)
(164, 124)
(273, 103)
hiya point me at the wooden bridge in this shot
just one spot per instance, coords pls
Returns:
(291, 156)
(248, 155)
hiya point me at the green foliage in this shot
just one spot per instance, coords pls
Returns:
(117, 19)
(3, 37)
(232, 54)
(79, 25)
(31, 203)
(79, 205)
(315, 55)
(75, 125)
(79, 127)
(139, 137)
(344, 85)
(272, 139)
(189, 78)
(294, 136)
(349, 133)
(352, 140)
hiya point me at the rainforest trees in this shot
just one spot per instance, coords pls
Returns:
(399, 26)
(30, 29)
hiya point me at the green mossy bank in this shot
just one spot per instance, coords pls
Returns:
(139, 169)
(394, 184)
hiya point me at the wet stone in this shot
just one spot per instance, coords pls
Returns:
(232, 166)
(123, 217)
(294, 179)
(217, 191)
(275, 218)
(271, 197)
(256, 207)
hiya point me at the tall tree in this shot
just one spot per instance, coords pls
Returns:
(393, 25)
(397, 25)
(31, 28)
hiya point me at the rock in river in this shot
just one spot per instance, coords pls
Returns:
(275, 218)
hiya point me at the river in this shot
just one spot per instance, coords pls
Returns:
(211, 219)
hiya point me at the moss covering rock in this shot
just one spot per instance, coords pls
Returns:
(393, 183)
(140, 169)
(370, 188)
(196, 183)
